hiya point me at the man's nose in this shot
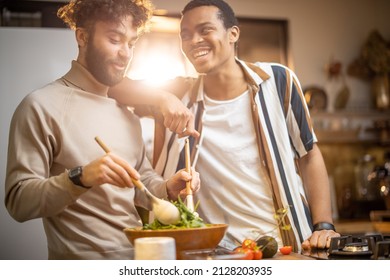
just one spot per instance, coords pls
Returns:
(126, 52)
(196, 38)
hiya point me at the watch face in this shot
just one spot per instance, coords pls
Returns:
(316, 98)
(75, 176)
(75, 172)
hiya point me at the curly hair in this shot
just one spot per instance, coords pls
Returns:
(226, 13)
(84, 13)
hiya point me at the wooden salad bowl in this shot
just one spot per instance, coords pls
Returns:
(186, 238)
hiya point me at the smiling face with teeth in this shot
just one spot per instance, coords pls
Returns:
(205, 41)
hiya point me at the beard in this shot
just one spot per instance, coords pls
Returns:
(98, 65)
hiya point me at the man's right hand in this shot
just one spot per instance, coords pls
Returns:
(177, 117)
(109, 169)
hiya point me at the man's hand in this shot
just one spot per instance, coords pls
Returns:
(177, 117)
(319, 239)
(176, 185)
(110, 169)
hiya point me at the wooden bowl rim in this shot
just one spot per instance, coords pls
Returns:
(208, 226)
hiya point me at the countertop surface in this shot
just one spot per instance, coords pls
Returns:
(291, 256)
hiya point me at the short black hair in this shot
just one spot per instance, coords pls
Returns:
(225, 14)
(85, 13)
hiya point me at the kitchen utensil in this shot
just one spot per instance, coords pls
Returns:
(207, 237)
(189, 198)
(164, 211)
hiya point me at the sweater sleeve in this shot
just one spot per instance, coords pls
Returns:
(31, 191)
(154, 182)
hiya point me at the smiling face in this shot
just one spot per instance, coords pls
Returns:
(205, 41)
(107, 50)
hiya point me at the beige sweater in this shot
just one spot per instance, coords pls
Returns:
(53, 130)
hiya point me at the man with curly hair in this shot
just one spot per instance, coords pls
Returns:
(56, 171)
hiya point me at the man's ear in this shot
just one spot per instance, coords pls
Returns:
(234, 34)
(81, 37)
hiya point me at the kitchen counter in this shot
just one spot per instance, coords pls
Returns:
(221, 254)
(291, 256)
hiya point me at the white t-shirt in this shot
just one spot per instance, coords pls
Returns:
(235, 188)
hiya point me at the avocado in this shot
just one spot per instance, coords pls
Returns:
(268, 246)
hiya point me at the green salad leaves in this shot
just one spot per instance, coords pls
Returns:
(188, 219)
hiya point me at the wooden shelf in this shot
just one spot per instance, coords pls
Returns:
(352, 127)
(372, 114)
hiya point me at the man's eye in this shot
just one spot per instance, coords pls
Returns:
(185, 36)
(206, 30)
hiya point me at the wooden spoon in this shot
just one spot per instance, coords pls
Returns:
(164, 211)
(189, 197)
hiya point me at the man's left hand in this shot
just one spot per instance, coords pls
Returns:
(319, 239)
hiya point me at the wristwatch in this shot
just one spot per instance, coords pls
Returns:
(74, 175)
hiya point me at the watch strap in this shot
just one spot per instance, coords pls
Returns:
(323, 226)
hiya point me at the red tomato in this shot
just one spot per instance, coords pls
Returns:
(285, 250)
(257, 254)
(247, 252)
(238, 250)
(249, 244)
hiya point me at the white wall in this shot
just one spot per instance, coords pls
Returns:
(29, 58)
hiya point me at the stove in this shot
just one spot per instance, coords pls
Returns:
(348, 247)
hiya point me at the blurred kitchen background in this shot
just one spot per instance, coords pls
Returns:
(340, 50)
